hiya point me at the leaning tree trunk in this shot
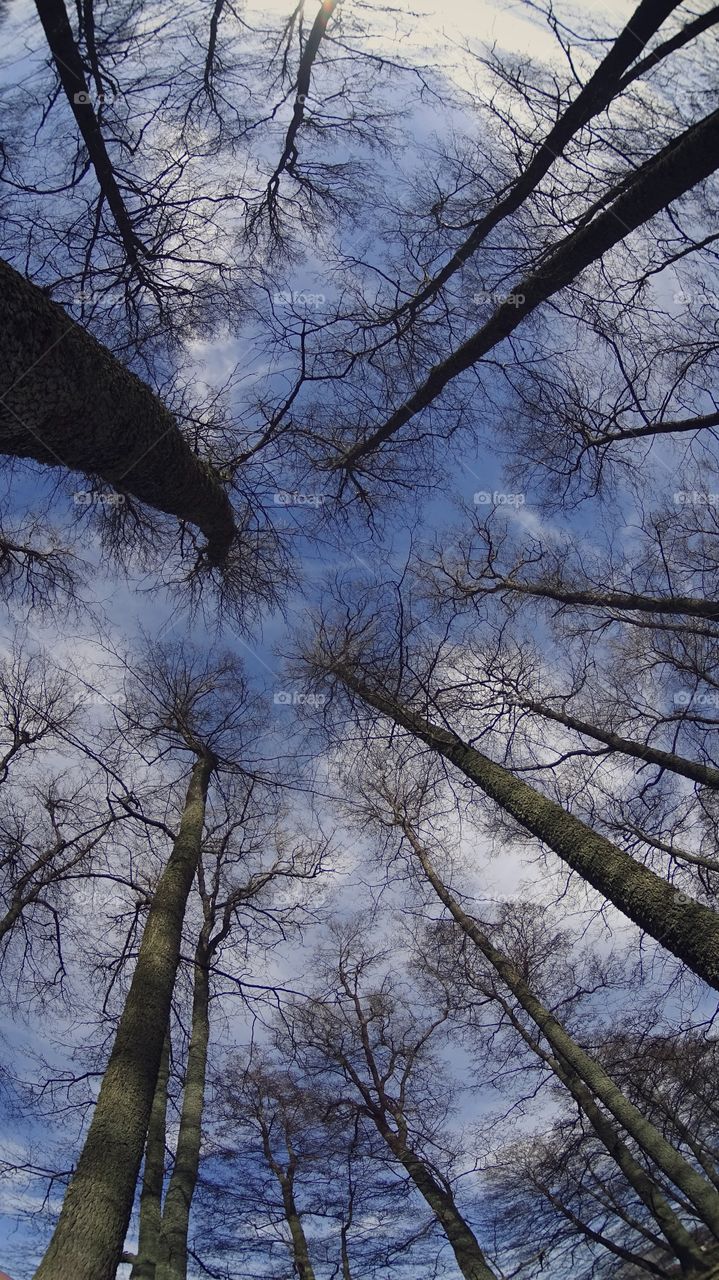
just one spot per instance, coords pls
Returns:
(685, 927)
(172, 1253)
(66, 401)
(685, 1248)
(143, 1267)
(698, 1191)
(88, 1239)
(465, 1246)
(683, 163)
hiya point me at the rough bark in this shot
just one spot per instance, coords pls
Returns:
(88, 1239)
(172, 1255)
(66, 401)
(153, 1176)
(686, 161)
(685, 927)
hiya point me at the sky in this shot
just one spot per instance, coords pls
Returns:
(438, 33)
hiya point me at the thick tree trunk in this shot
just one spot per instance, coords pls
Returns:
(66, 401)
(701, 1194)
(153, 1176)
(685, 927)
(686, 161)
(172, 1255)
(88, 1239)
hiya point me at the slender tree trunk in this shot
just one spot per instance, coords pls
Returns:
(619, 601)
(687, 160)
(66, 401)
(69, 67)
(594, 98)
(465, 1246)
(685, 927)
(88, 1239)
(153, 1176)
(172, 1256)
(685, 1248)
(701, 1194)
(300, 1250)
(702, 773)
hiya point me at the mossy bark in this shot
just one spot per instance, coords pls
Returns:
(685, 927)
(88, 1239)
(66, 401)
(153, 1176)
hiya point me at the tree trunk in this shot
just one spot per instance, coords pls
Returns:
(69, 67)
(153, 1176)
(702, 773)
(88, 1239)
(678, 167)
(465, 1246)
(66, 401)
(701, 1194)
(300, 1250)
(172, 1256)
(595, 97)
(685, 1248)
(685, 927)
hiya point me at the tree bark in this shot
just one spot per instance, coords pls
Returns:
(88, 1239)
(678, 167)
(685, 927)
(693, 769)
(66, 401)
(701, 1194)
(172, 1255)
(465, 1246)
(153, 1176)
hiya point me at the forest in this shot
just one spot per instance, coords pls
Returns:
(359, 644)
